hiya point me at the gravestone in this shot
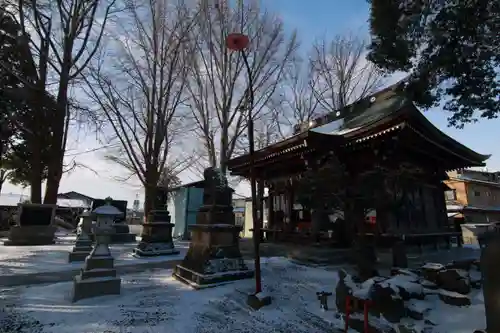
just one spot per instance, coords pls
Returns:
(83, 244)
(156, 236)
(214, 255)
(490, 271)
(34, 225)
(121, 231)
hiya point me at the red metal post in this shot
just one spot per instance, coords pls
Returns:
(365, 315)
(347, 312)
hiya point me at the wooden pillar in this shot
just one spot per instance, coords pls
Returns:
(270, 207)
(422, 205)
(289, 206)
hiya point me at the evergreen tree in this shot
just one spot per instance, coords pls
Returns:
(451, 48)
(25, 113)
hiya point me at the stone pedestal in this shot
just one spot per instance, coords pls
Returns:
(83, 244)
(214, 255)
(98, 276)
(31, 235)
(34, 226)
(156, 237)
(81, 250)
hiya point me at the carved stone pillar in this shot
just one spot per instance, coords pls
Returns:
(214, 255)
(156, 237)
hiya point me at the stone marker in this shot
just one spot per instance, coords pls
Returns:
(156, 236)
(98, 276)
(323, 299)
(214, 254)
(35, 225)
(490, 270)
(83, 244)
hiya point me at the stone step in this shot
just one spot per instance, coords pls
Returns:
(68, 275)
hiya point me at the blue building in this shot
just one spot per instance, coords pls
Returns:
(183, 204)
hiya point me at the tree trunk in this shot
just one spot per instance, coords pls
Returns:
(57, 144)
(150, 189)
(149, 199)
(35, 180)
(2, 179)
(54, 173)
(36, 188)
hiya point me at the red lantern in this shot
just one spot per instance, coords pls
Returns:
(237, 42)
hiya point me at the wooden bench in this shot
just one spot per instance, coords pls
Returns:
(421, 239)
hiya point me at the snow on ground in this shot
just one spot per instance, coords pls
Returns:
(54, 258)
(154, 302)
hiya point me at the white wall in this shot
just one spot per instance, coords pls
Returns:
(248, 220)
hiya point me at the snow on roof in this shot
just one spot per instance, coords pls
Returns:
(335, 127)
(454, 207)
(475, 180)
(486, 208)
(12, 200)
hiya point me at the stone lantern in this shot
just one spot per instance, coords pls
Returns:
(83, 244)
(98, 277)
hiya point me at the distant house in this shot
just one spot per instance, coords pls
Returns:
(473, 196)
(72, 195)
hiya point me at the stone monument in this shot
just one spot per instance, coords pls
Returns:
(214, 254)
(490, 271)
(121, 231)
(83, 244)
(34, 225)
(156, 236)
(98, 276)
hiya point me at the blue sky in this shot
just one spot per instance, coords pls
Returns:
(318, 18)
(312, 19)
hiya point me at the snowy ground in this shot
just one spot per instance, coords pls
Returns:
(154, 302)
(16, 260)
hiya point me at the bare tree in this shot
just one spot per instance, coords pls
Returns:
(62, 36)
(140, 88)
(218, 82)
(342, 73)
(267, 131)
(297, 103)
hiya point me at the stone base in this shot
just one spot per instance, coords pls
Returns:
(31, 235)
(258, 301)
(122, 238)
(94, 287)
(118, 238)
(144, 249)
(156, 237)
(200, 281)
(78, 256)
